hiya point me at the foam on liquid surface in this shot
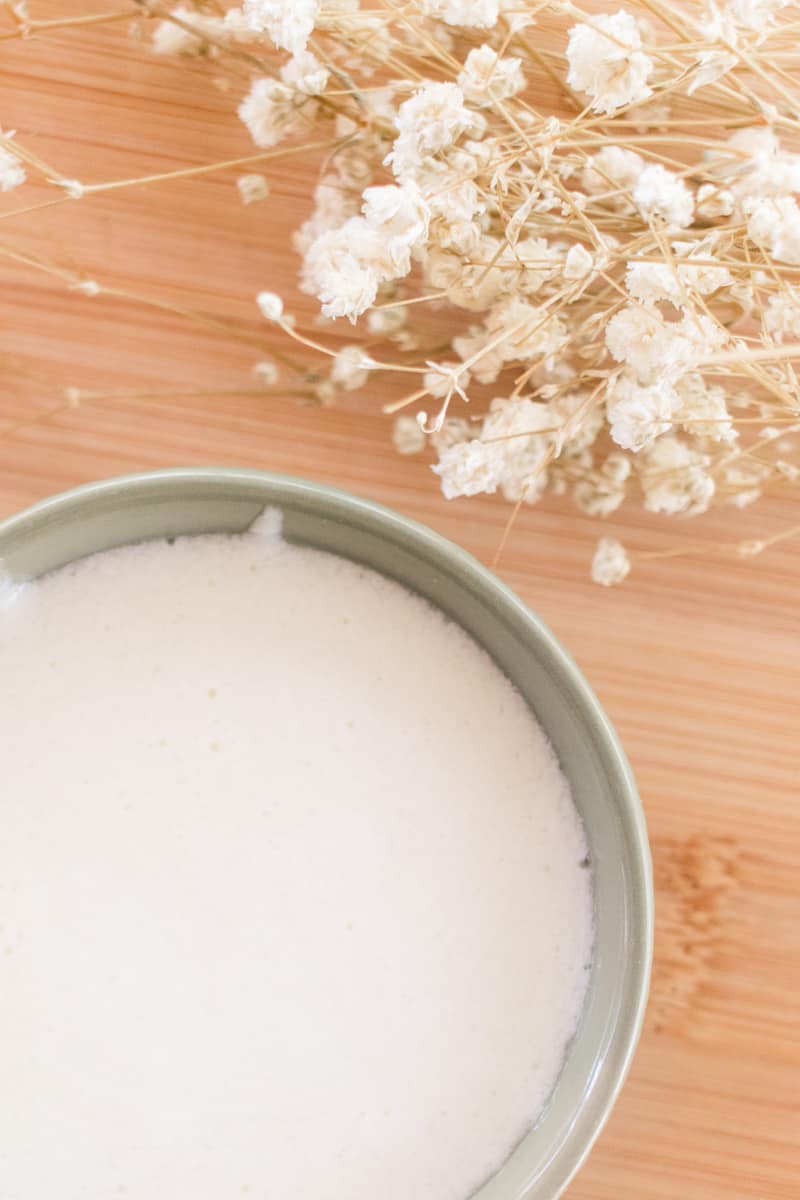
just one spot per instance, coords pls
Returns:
(291, 903)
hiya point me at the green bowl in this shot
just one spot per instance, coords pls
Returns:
(103, 515)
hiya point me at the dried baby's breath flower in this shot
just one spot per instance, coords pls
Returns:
(431, 121)
(510, 454)
(12, 172)
(578, 262)
(661, 193)
(469, 14)
(782, 316)
(609, 283)
(269, 112)
(606, 61)
(252, 188)
(610, 564)
(775, 223)
(342, 267)
(407, 436)
(177, 36)
(266, 373)
(639, 413)
(289, 23)
(714, 202)
(486, 77)
(674, 478)
(305, 73)
(271, 306)
(350, 368)
(601, 492)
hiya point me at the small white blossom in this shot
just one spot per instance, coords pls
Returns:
(652, 282)
(525, 330)
(386, 322)
(486, 77)
(757, 165)
(332, 207)
(189, 32)
(400, 216)
(601, 492)
(612, 168)
(652, 347)
(466, 469)
(516, 15)
(407, 435)
(610, 564)
(782, 316)
(289, 23)
(237, 27)
(271, 305)
(489, 363)
(12, 172)
(468, 14)
(787, 470)
(510, 454)
(431, 121)
(269, 112)
(637, 414)
(169, 37)
(674, 478)
(743, 482)
(578, 262)
(756, 15)
(775, 223)
(579, 422)
(252, 188)
(350, 369)
(458, 204)
(453, 430)
(538, 260)
(704, 410)
(343, 268)
(266, 373)
(714, 202)
(700, 336)
(637, 336)
(606, 61)
(661, 193)
(305, 73)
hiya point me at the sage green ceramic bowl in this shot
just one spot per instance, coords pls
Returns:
(102, 515)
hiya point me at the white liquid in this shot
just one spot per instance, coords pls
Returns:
(290, 897)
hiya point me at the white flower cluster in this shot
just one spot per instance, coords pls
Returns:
(606, 61)
(607, 272)
(510, 454)
(610, 564)
(344, 266)
(12, 172)
(289, 23)
(189, 32)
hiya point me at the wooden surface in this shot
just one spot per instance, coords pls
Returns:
(696, 659)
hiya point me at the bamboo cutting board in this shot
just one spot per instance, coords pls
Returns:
(696, 658)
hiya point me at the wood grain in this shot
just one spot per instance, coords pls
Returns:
(696, 659)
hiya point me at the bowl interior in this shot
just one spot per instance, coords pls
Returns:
(111, 514)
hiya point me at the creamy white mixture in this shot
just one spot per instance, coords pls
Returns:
(291, 895)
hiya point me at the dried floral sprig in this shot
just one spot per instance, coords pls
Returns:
(620, 265)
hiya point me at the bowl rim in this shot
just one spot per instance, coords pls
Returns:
(571, 1153)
